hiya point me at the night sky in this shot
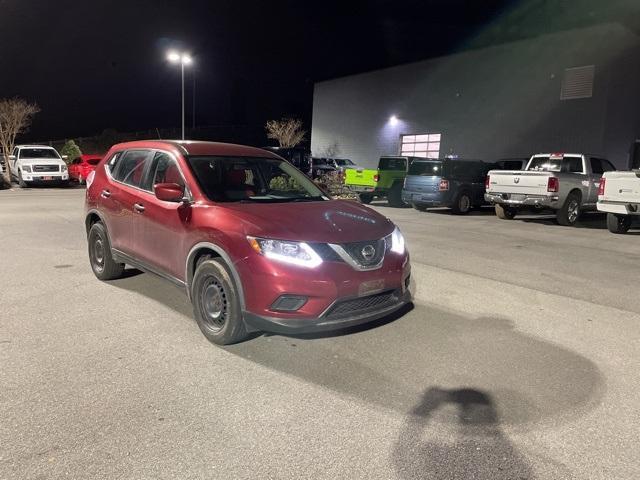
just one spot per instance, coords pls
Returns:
(93, 65)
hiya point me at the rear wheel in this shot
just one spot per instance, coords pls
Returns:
(216, 305)
(395, 196)
(462, 204)
(505, 212)
(570, 211)
(618, 223)
(102, 263)
(365, 198)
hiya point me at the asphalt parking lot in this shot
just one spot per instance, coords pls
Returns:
(519, 360)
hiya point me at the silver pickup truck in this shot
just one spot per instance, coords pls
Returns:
(566, 183)
(619, 196)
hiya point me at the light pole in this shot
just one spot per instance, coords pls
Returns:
(184, 59)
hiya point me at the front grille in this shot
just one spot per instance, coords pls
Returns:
(358, 252)
(345, 308)
(46, 168)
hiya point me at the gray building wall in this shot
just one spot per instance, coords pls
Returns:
(502, 101)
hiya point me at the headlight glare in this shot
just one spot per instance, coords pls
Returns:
(397, 241)
(295, 253)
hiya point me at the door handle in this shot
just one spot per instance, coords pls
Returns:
(105, 194)
(138, 207)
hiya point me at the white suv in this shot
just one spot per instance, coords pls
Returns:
(38, 164)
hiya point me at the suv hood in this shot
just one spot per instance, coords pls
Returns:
(334, 221)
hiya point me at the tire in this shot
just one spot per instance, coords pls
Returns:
(394, 196)
(505, 213)
(21, 182)
(618, 223)
(365, 198)
(216, 305)
(420, 207)
(462, 204)
(102, 263)
(570, 211)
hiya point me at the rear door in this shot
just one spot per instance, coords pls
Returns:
(160, 226)
(122, 195)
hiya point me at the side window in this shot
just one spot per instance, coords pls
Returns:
(113, 162)
(607, 166)
(596, 166)
(572, 164)
(130, 167)
(76, 161)
(164, 169)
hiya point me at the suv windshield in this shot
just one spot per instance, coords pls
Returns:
(427, 169)
(556, 164)
(38, 153)
(251, 179)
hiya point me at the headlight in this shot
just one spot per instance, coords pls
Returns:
(397, 241)
(295, 253)
(26, 168)
(64, 168)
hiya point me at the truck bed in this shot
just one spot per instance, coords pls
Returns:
(518, 182)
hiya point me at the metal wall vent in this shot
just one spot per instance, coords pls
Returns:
(578, 83)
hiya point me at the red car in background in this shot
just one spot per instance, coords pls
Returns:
(82, 166)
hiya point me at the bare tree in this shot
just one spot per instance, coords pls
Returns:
(15, 118)
(288, 132)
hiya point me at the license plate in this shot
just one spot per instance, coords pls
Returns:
(517, 197)
(47, 178)
(371, 286)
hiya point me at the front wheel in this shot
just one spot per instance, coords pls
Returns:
(216, 305)
(618, 223)
(570, 211)
(505, 213)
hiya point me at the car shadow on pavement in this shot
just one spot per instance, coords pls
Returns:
(472, 445)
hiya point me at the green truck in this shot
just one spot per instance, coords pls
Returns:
(384, 182)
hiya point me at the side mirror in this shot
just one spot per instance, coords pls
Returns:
(169, 192)
(64, 157)
(12, 157)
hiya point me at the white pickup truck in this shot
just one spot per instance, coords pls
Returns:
(566, 183)
(619, 196)
(38, 164)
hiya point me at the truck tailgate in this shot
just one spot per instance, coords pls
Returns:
(359, 176)
(622, 187)
(518, 181)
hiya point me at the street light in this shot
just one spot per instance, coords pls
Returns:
(183, 59)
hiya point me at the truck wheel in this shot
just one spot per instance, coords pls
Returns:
(570, 211)
(420, 207)
(102, 263)
(462, 204)
(618, 223)
(365, 198)
(395, 196)
(505, 213)
(216, 305)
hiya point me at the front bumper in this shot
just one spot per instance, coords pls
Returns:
(518, 200)
(45, 177)
(393, 301)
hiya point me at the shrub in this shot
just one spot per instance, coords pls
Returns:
(71, 150)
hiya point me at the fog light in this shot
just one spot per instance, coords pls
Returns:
(289, 303)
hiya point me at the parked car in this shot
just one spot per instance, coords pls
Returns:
(299, 157)
(384, 182)
(80, 167)
(343, 164)
(457, 184)
(38, 164)
(255, 243)
(566, 183)
(619, 197)
(321, 166)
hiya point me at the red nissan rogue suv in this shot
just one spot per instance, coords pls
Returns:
(255, 243)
